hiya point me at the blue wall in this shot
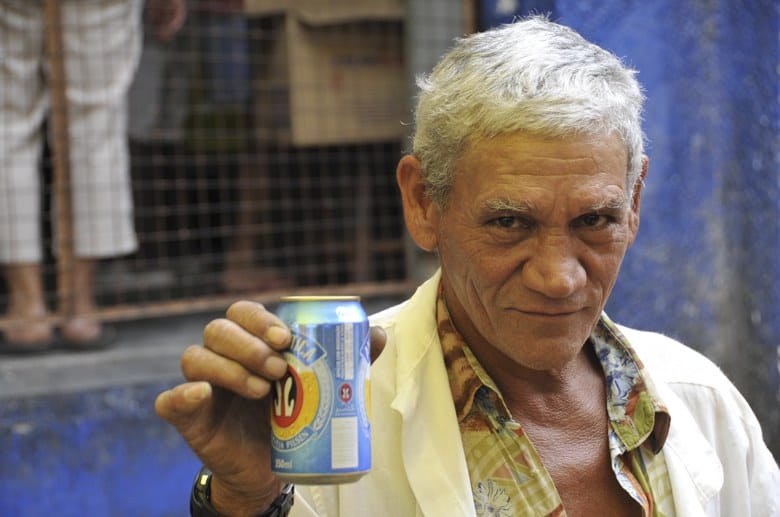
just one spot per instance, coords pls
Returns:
(706, 266)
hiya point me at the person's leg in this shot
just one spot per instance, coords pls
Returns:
(83, 328)
(102, 40)
(23, 104)
(26, 307)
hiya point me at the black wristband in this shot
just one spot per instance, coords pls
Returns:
(200, 499)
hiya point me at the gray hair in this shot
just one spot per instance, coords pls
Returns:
(532, 75)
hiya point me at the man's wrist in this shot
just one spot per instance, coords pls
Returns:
(212, 499)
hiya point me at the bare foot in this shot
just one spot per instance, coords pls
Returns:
(28, 329)
(80, 328)
(86, 333)
(83, 329)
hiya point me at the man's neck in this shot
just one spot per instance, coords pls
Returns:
(543, 394)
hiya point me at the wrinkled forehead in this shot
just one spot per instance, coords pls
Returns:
(551, 145)
(526, 171)
(533, 154)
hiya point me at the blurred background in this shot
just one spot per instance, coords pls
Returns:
(262, 139)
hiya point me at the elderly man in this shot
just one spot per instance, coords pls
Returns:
(503, 389)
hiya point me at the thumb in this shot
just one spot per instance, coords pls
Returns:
(378, 341)
(180, 405)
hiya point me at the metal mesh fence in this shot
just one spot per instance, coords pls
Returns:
(258, 147)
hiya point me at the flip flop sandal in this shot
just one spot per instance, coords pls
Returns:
(24, 348)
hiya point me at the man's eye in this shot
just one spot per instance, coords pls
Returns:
(510, 222)
(595, 220)
(591, 219)
(505, 222)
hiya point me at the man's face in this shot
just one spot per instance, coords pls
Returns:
(531, 242)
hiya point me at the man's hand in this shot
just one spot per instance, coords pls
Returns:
(222, 411)
(166, 16)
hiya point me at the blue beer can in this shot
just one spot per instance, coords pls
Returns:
(320, 413)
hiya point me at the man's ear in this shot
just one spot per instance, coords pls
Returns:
(636, 196)
(420, 213)
(640, 182)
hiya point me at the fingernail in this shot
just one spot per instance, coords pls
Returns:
(257, 386)
(197, 393)
(276, 335)
(276, 366)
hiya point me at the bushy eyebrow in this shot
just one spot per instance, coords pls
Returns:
(505, 205)
(527, 207)
(611, 203)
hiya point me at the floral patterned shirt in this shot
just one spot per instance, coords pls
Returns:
(507, 475)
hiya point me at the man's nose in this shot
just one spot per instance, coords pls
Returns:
(554, 268)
